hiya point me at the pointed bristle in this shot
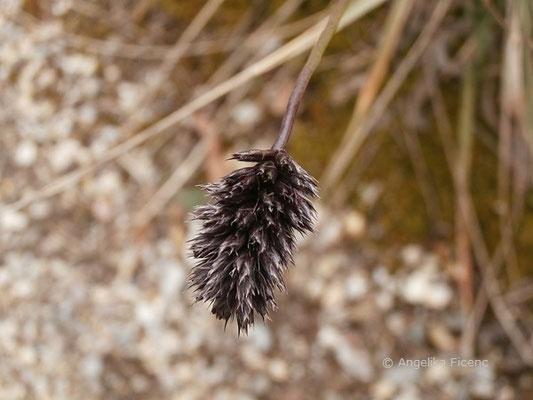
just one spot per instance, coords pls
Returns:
(248, 234)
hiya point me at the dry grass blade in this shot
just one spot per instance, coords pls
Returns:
(111, 48)
(396, 20)
(513, 132)
(443, 123)
(205, 147)
(170, 61)
(489, 266)
(175, 182)
(470, 226)
(348, 148)
(523, 178)
(492, 287)
(172, 58)
(463, 167)
(420, 167)
(248, 45)
(295, 47)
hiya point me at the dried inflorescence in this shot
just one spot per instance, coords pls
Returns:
(248, 234)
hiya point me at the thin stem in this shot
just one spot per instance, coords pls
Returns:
(305, 75)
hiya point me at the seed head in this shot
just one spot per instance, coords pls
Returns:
(248, 234)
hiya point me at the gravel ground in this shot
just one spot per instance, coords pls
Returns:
(94, 307)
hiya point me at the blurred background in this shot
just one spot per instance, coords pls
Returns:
(418, 124)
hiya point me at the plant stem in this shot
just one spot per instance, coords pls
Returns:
(305, 75)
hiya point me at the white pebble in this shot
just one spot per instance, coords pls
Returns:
(424, 286)
(261, 337)
(383, 389)
(64, 154)
(278, 369)
(13, 221)
(354, 361)
(408, 393)
(354, 224)
(91, 366)
(87, 114)
(79, 64)
(172, 279)
(129, 96)
(246, 113)
(412, 255)
(356, 286)
(25, 153)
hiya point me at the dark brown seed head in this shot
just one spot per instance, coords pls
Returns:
(248, 234)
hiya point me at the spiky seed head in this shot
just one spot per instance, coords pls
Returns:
(248, 234)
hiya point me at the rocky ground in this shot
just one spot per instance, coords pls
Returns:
(95, 304)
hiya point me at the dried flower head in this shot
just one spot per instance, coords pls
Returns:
(248, 234)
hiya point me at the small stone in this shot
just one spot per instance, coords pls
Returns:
(370, 193)
(172, 279)
(63, 123)
(333, 296)
(354, 361)
(184, 373)
(329, 233)
(356, 286)
(92, 366)
(314, 288)
(278, 370)
(261, 337)
(440, 298)
(424, 286)
(483, 389)
(149, 314)
(403, 375)
(108, 184)
(382, 277)
(79, 64)
(22, 289)
(354, 225)
(408, 393)
(327, 265)
(442, 338)
(13, 221)
(60, 8)
(46, 77)
(246, 113)
(252, 358)
(483, 382)
(25, 153)
(397, 323)
(103, 210)
(129, 96)
(87, 115)
(383, 389)
(412, 255)
(506, 393)
(27, 355)
(64, 154)
(438, 373)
